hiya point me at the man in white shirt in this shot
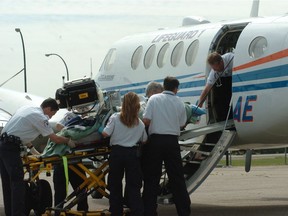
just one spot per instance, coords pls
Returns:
(23, 127)
(165, 114)
(220, 78)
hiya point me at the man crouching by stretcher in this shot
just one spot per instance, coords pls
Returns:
(24, 126)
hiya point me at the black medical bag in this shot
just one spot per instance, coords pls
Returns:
(77, 93)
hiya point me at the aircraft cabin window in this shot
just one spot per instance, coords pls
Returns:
(136, 57)
(110, 59)
(177, 53)
(258, 47)
(192, 52)
(163, 55)
(149, 56)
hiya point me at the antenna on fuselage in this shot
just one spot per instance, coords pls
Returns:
(91, 71)
(194, 20)
(255, 8)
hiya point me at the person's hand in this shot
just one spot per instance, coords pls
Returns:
(71, 143)
(100, 129)
(34, 151)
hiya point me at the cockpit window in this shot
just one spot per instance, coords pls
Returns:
(177, 53)
(149, 56)
(258, 47)
(163, 55)
(192, 52)
(110, 59)
(136, 57)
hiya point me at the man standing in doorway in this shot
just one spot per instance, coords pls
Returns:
(221, 77)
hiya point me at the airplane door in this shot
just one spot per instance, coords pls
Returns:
(219, 98)
(259, 82)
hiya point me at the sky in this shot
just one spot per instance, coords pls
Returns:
(82, 32)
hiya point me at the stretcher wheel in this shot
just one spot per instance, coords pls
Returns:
(42, 196)
(96, 194)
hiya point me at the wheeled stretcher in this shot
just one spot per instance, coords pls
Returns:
(91, 146)
(41, 200)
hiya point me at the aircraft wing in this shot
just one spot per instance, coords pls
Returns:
(4, 118)
(11, 100)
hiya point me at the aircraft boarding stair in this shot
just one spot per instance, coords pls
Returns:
(197, 170)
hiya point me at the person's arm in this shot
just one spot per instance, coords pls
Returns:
(105, 134)
(62, 140)
(58, 139)
(144, 137)
(32, 149)
(59, 127)
(109, 128)
(204, 94)
(146, 121)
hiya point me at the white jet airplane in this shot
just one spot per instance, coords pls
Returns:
(258, 87)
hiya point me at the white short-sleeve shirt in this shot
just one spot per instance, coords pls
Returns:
(228, 65)
(122, 135)
(166, 113)
(28, 123)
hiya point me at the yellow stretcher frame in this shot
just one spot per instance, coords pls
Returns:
(93, 180)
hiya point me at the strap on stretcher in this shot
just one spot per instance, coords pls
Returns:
(65, 167)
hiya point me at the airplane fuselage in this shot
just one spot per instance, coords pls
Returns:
(259, 80)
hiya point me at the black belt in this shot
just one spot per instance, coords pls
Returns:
(10, 139)
(163, 135)
(125, 147)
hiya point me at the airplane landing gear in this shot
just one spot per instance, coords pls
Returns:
(248, 159)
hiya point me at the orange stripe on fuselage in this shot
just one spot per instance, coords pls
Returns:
(202, 76)
(273, 57)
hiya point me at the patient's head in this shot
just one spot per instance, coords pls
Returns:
(153, 88)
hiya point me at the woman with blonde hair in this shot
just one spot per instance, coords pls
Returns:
(126, 130)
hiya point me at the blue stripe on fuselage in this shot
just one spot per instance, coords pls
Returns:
(146, 82)
(267, 73)
(261, 86)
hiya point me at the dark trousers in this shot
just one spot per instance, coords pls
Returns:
(221, 99)
(125, 160)
(12, 175)
(164, 148)
(59, 181)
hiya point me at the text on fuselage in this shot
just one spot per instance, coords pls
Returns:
(242, 112)
(177, 36)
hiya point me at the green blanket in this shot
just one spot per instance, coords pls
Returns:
(52, 148)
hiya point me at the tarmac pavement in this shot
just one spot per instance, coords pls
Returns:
(229, 191)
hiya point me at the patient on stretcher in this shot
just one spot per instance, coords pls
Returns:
(82, 131)
(86, 130)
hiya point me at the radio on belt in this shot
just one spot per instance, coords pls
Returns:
(76, 93)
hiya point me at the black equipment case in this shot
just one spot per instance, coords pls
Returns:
(76, 93)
